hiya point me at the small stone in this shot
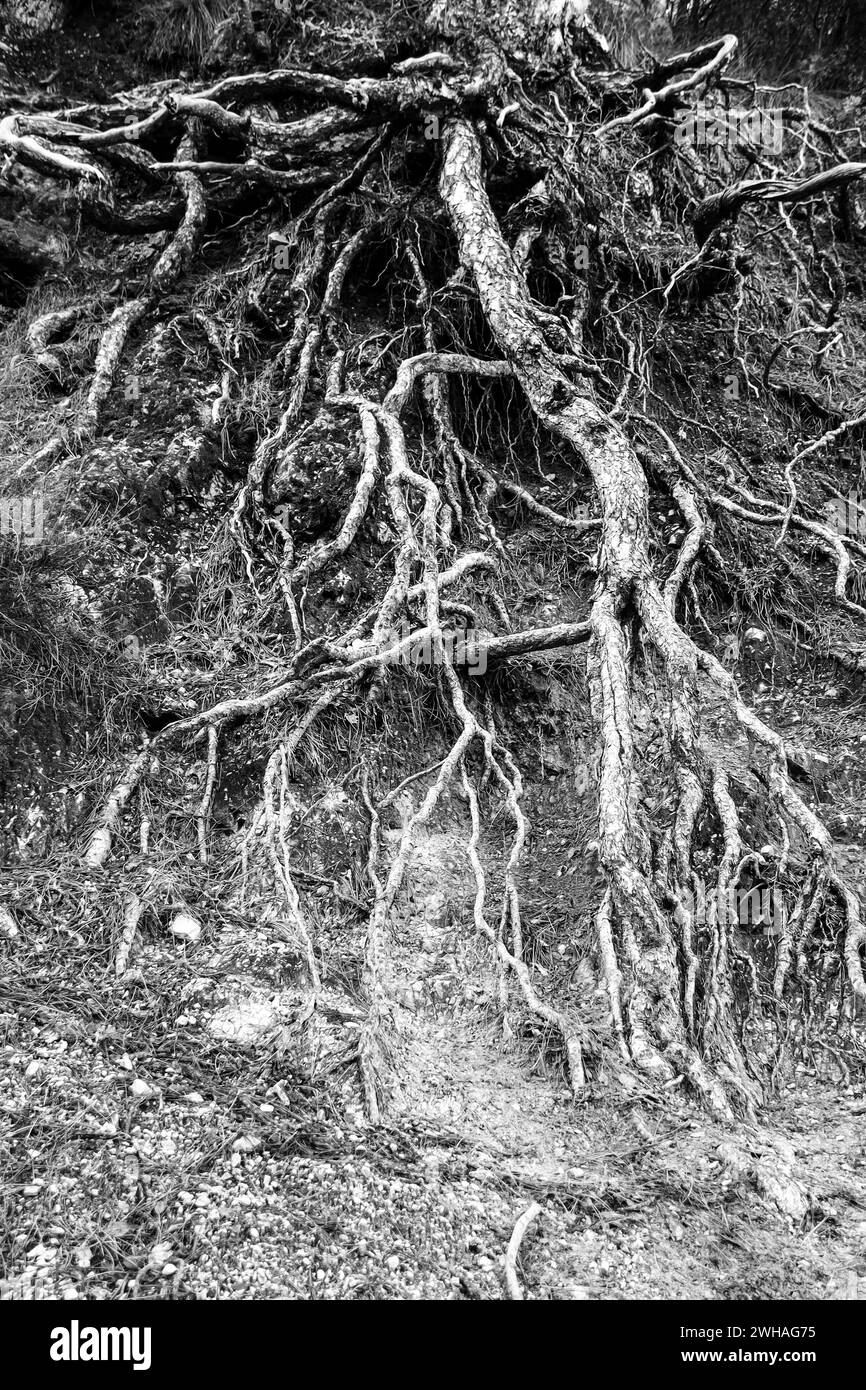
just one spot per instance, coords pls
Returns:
(168, 1270)
(141, 1090)
(393, 1262)
(246, 1020)
(185, 927)
(7, 924)
(246, 1143)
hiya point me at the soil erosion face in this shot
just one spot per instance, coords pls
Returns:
(441, 618)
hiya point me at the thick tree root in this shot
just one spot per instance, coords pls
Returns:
(657, 1031)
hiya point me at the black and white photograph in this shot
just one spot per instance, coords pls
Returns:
(432, 656)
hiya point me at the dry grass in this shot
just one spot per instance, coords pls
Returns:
(183, 28)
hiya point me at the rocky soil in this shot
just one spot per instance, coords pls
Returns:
(158, 1140)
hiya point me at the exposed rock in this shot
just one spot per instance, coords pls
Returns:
(815, 766)
(247, 1020)
(185, 927)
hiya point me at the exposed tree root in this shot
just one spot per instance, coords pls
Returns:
(666, 945)
(658, 1039)
(518, 1236)
(99, 844)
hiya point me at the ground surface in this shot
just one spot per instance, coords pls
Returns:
(161, 1134)
(156, 1144)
